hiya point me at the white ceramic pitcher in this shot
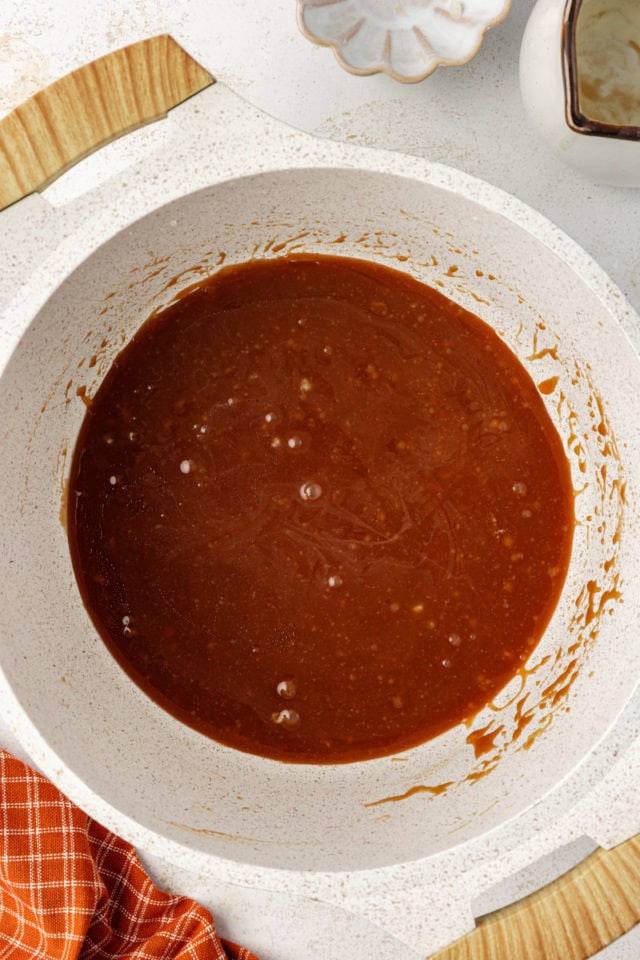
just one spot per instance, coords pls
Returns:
(580, 82)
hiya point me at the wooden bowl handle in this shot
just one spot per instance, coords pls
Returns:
(94, 104)
(570, 919)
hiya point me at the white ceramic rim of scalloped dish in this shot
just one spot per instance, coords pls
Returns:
(393, 74)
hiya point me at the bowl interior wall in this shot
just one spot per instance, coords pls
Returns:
(232, 805)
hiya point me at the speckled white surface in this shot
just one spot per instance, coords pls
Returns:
(502, 152)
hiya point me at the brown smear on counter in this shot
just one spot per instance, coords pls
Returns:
(304, 482)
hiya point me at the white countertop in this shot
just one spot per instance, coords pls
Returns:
(469, 117)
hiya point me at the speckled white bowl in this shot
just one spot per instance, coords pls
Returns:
(406, 840)
(406, 40)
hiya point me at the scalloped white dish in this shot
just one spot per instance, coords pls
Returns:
(406, 39)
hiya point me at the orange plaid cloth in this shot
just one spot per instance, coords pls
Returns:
(71, 890)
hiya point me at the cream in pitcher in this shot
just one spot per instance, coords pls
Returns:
(606, 55)
(580, 83)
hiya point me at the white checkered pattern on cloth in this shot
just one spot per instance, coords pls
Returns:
(71, 890)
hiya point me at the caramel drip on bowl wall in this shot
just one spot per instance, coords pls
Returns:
(604, 592)
(544, 686)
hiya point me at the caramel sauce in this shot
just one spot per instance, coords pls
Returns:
(81, 392)
(318, 511)
(548, 386)
(483, 739)
(433, 791)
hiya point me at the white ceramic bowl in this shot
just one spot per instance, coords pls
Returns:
(370, 836)
(406, 40)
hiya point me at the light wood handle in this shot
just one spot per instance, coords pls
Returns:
(58, 126)
(570, 919)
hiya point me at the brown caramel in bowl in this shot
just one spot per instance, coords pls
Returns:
(318, 511)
